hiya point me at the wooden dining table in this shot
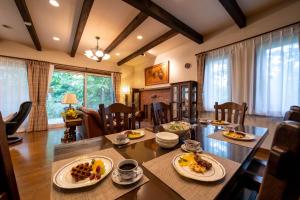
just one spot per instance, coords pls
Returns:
(147, 150)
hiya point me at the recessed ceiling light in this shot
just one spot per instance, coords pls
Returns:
(54, 3)
(139, 37)
(56, 38)
(117, 54)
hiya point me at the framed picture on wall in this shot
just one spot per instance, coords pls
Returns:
(157, 74)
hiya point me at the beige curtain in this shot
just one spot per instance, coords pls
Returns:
(38, 73)
(116, 77)
(200, 80)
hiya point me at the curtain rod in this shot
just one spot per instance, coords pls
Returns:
(248, 38)
(58, 64)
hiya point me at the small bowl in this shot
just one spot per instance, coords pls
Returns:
(192, 145)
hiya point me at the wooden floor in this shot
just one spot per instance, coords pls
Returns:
(32, 163)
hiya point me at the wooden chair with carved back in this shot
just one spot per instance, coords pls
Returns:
(281, 179)
(117, 117)
(8, 185)
(161, 113)
(231, 112)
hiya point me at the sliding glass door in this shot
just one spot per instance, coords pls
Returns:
(63, 82)
(98, 90)
(90, 89)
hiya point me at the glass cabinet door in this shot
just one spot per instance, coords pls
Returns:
(185, 107)
(175, 102)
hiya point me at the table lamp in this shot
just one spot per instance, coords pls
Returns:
(70, 99)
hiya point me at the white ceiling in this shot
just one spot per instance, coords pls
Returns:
(109, 17)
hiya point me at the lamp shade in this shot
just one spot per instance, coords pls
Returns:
(69, 98)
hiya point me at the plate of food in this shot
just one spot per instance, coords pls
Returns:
(177, 127)
(134, 134)
(238, 135)
(200, 167)
(219, 122)
(83, 172)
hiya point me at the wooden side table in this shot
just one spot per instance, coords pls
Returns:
(70, 132)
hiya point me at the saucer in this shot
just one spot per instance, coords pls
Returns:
(126, 141)
(115, 176)
(184, 149)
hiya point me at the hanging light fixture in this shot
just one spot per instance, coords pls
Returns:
(97, 53)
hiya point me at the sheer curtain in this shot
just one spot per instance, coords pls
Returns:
(13, 85)
(277, 72)
(217, 78)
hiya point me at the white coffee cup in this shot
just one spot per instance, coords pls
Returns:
(128, 169)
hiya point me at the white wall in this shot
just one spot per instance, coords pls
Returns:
(276, 17)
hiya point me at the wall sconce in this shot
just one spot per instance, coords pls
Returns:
(126, 92)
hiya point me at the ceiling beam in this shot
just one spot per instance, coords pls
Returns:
(84, 15)
(140, 18)
(161, 15)
(149, 46)
(23, 10)
(235, 12)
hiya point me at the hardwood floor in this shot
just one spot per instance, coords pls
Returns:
(32, 163)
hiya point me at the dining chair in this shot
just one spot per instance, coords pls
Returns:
(8, 185)
(231, 112)
(281, 177)
(293, 114)
(116, 118)
(161, 113)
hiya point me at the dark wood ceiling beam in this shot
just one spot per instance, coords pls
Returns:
(149, 46)
(235, 12)
(166, 18)
(140, 18)
(23, 10)
(84, 15)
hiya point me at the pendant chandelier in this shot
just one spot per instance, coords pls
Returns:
(97, 53)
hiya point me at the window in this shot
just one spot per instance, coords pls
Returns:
(277, 77)
(98, 90)
(217, 85)
(13, 85)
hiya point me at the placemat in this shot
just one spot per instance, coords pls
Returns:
(105, 189)
(219, 136)
(188, 188)
(148, 135)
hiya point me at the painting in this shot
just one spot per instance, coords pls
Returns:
(157, 74)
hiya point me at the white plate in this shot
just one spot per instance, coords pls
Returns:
(216, 172)
(167, 136)
(117, 178)
(248, 137)
(63, 179)
(183, 147)
(142, 134)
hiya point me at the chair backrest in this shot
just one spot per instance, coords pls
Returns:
(282, 176)
(293, 114)
(8, 185)
(117, 117)
(161, 113)
(19, 118)
(231, 112)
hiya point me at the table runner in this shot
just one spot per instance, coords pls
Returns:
(105, 189)
(219, 136)
(162, 168)
(148, 135)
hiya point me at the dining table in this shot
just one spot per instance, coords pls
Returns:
(148, 150)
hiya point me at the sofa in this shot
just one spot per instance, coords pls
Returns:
(90, 124)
